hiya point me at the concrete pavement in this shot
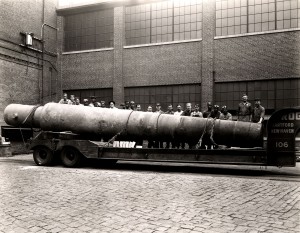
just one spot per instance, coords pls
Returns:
(57, 199)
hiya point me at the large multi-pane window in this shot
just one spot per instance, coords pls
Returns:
(288, 14)
(246, 16)
(274, 94)
(231, 17)
(92, 30)
(165, 95)
(163, 22)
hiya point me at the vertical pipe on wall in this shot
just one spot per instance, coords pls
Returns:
(50, 70)
(42, 78)
(61, 48)
(43, 51)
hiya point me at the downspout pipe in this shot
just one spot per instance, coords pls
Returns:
(43, 51)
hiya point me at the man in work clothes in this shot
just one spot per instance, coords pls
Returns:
(258, 112)
(244, 110)
(65, 99)
(85, 102)
(225, 115)
(196, 112)
(188, 110)
(208, 111)
(207, 142)
(170, 112)
(93, 102)
(215, 113)
(158, 144)
(175, 143)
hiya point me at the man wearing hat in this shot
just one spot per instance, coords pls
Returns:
(225, 115)
(258, 112)
(244, 110)
(127, 105)
(158, 108)
(93, 102)
(215, 113)
(132, 105)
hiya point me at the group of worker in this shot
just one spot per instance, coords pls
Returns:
(245, 113)
(245, 110)
(92, 103)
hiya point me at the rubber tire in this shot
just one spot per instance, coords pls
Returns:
(43, 156)
(70, 157)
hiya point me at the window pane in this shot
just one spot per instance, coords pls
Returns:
(256, 15)
(86, 30)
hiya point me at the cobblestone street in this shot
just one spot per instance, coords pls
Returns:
(89, 199)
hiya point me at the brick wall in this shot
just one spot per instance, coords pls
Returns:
(21, 69)
(162, 65)
(258, 57)
(88, 70)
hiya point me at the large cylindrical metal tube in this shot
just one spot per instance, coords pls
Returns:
(132, 124)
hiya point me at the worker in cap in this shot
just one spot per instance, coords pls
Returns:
(225, 115)
(93, 102)
(132, 105)
(158, 108)
(215, 113)
(127, 105)
(258, 112)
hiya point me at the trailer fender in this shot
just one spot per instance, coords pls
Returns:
(87, 148)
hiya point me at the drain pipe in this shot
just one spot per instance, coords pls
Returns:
(41, 81)
(43, 51)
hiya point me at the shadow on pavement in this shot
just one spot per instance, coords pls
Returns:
(285, 173)
(207, 169)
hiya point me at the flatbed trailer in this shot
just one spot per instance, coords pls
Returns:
(72, 149)
(279, 150)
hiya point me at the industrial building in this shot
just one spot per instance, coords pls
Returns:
(151, 51)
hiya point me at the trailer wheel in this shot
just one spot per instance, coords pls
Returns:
(43, 156)
(70, 157)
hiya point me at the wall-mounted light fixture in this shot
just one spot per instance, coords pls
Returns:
(28, 38)
(31, 42)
